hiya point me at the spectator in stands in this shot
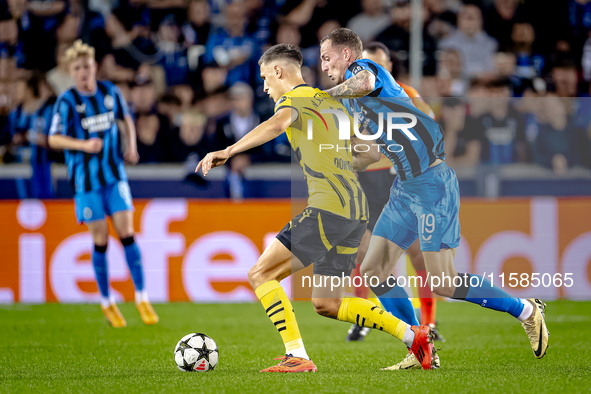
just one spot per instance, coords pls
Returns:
(566, 78)
(310, 54)
(475, 46)
(188, 138)
(174, 59)
(452, 118)
(232, 128)
(196, 28)
(451, 82)
(529, 64)
(59, 77)
(499, 133)
(441, 17)
(39, 21)
(288, 33)
(170, 106)
(41, 156)
(186, 96)
(143, 96)
(152, 138)
(309, 15)
(466, 148)
(397, 38)
(21, 118)
(231, 48)
(499, 20)
(260, 15)
(559, 143)
(372, 20)
(214, 79)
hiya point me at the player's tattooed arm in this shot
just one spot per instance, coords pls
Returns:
(359, 85)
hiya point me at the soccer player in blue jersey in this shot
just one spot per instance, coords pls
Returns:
(41, 184)
(85, 124)
(424, 199)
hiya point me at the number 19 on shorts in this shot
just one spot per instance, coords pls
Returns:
(427, 226)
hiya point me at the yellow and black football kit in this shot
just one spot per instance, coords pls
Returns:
(330, 229)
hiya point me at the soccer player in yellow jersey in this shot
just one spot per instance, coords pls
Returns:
(328, 232)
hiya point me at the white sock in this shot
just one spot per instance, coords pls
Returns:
(141, 296)
(105, 302)
(528, 309)
(300, 351)
(409, 337)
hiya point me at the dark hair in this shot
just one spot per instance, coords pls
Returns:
(35, 81)
(344, 37)
(170, 98)
(287, 52)
(374, 46)
(500, 82)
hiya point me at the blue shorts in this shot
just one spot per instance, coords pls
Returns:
(95, 205)
(426, 207)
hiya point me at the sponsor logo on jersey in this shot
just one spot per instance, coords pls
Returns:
(99, 122)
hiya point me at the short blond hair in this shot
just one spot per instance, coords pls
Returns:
(78, 50)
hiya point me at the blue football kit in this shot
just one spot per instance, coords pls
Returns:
(99, 180)
(424, 201)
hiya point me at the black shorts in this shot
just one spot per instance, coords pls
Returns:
(324, 239)
(376, 185)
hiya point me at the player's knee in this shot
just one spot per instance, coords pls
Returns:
(100, 237)
(257, 276)
(128, 240)
(368, 269)
(326, 307)
(443, 290)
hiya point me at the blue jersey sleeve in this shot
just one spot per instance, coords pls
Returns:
(359, 65)
(385, 85)
(12, 120)
(44, 121)
(62, 118)
(122, 110)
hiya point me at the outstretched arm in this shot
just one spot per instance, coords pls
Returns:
(264, 132)
(359, 85)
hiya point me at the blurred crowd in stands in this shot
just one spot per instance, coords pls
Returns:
(507, 79)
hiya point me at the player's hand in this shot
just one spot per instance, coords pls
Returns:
(212, 160)
(131, 156)
(93, 145)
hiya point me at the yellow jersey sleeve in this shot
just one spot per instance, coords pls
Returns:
(285, 102)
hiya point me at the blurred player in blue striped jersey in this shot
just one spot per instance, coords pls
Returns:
(41, 184)
(424, 199)
(86, 125)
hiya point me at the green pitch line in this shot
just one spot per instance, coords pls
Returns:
(70, 348)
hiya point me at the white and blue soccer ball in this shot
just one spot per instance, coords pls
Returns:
(196, 352)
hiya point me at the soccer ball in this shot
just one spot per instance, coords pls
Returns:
(196, 352)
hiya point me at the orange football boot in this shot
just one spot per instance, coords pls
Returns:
(422, 346)
(291, 364)
(147, 312)
(114, 316)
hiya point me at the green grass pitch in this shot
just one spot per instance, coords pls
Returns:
(70, 348)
